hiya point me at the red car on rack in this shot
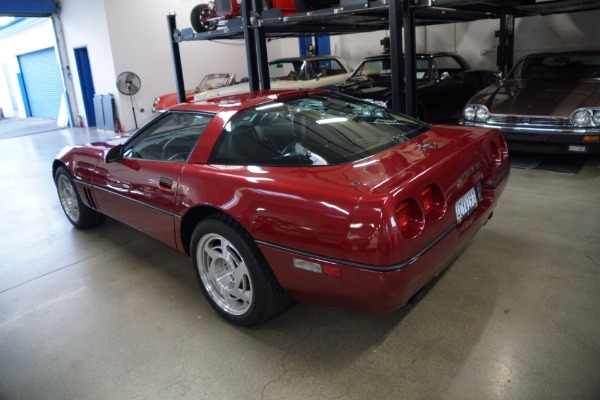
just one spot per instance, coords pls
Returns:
(294, 195)
(208, 16)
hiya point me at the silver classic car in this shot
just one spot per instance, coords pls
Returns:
(548, 103)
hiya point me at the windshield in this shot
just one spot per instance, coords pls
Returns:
(212, 81)
(321, 129)
(568, 66)
(382, 67)
(286, 70)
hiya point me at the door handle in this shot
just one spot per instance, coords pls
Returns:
(165, 182)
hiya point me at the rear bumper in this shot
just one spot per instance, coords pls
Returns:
(373, 287)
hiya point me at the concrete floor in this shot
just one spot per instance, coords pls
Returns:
(111, 314)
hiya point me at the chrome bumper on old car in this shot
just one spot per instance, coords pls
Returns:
(540, 133)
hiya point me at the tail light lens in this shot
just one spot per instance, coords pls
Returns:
(409, 218)
(427, 196)
(499, 151)
(496, 155)
(434, 203)
(503, 147)
(404, 215)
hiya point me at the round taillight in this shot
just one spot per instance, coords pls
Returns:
(433, 201)
(409, 218)
(496, 154)
(503, 147)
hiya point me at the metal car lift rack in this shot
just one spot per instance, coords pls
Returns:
(354, 16)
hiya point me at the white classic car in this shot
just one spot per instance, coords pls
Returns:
(306, 72)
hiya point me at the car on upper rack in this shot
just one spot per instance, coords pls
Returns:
(548, 103)
(209, 82)
(215, 14)
(445, 82)
(304, 72)
(282, 196)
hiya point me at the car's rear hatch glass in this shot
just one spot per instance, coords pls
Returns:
(320, 129)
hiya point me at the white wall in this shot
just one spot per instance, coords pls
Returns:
(477, 43)
(139, 37)
(132, 35)
(84, 25)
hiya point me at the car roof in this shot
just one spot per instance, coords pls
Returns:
(563, 53)
(418, 55)
(242, 101)
(304, 58)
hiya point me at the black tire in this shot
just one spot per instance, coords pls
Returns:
(233, 274)
(198, 18)
(78, 214)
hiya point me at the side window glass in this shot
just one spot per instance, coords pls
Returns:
(306, 72)
(423, 68)
(448, 64)
(170, 138)
(329, 67)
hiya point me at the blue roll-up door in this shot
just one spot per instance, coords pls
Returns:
(43, 84)
(27, 8)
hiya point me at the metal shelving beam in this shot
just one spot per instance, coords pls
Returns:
(355, 16)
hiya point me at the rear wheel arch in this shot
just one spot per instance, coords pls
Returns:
(192, 218)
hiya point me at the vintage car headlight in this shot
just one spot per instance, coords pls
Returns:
(469, 112)
(582, 117)
(478, 112)
(482, 113)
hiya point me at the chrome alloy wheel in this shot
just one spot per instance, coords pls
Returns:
(68, 198)
(224, 274)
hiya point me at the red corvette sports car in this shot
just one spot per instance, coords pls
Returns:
(284, 196)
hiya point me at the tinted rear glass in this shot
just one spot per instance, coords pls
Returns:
(320, 129)
(383, 67)
(568, 66)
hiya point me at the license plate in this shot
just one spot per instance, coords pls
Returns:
(466, 204)
(577, 149)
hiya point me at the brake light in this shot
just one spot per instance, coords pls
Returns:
(409, 218)
(427, 196)
(503, 147)
(434, 203)
(496, 155)
(403, 215)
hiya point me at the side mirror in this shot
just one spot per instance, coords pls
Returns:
(445, 75)
(114, 154)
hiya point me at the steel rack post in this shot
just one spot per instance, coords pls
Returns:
(253, 79)
(398, 76)
(176, 55)
(260, 43)
(410, 58)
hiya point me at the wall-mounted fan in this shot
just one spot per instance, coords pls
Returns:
(129, 83)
